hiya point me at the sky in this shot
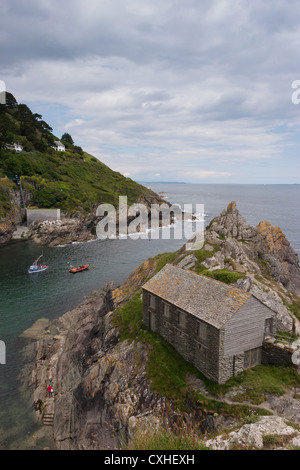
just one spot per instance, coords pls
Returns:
(199, 91)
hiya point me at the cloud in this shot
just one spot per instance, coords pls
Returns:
(155, 87)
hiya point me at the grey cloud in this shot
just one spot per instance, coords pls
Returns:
(190, 76)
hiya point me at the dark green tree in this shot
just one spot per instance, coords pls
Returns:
(10, 101)
(67, 138)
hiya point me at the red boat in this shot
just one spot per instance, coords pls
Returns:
(80, 268)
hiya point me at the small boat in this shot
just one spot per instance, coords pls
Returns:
(37, 268)
(80, 268)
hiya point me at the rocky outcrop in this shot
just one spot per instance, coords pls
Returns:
(14, 216)
(261, 249)
(262, 254)
(99, 393)
(60, 232)
(281, 257)
(267, 433)
(6, 231)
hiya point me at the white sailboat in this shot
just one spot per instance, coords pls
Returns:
(37, 268)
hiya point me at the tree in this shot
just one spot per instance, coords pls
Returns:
(67, 138)
(8, 128)
(10, 101)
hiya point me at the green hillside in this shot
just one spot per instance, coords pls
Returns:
(72, 180)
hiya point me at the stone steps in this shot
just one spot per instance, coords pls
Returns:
(48, 419)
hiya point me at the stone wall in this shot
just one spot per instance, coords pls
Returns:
(40, 215)
(183, 334)
(276, 353)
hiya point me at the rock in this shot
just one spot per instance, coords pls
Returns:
(263, 254)
(231, 223)
(188, 262)
(61, 232)
(296, 442)
(215, 262)
(252, 435)
(286, 405)
(282, 258)
(97, 387)
(142, 424)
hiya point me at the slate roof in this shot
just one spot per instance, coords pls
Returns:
(209, 300)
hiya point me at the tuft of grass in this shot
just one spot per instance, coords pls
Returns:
(164, 259)
(222, 275)
(258, 382)
(293, 306)
(129, 319)
(273, 441)
(167, 439)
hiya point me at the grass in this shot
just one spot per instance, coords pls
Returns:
(258, 382)
(293, 306)
(164, 259)
(167, 370)
(273, 441)
(203, 254)
(167, 439)
(222, 275)
(68, 180)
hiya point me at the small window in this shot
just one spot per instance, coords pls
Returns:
(180, 317)
(151, 301)
(201, 330)
(166, 310)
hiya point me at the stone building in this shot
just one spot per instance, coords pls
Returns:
(218, 328)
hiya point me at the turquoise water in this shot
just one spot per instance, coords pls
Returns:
(25, 298)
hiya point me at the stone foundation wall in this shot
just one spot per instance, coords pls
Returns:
(276, 354)
(40, 215)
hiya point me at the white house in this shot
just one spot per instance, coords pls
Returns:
(16, 147)
(59, 146)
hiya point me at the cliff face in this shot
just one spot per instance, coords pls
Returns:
(282, 258)
(100, 394)
(15, 213)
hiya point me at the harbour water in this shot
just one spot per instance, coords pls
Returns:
(25, 298)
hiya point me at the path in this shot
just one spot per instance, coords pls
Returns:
(48, 415)
(20, 232)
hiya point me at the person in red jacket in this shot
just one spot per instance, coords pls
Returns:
(50, 390)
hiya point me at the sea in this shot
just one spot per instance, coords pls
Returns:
(26, 298)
